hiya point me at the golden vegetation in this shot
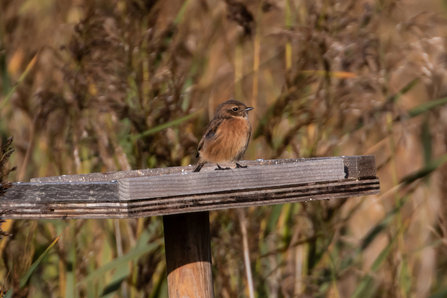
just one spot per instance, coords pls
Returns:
(88, 86)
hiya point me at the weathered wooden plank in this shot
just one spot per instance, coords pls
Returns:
(263, 183)
(241, 199)
(60, 192)
(231, 180)
(352, 164)
(192, 203)
(360, 167)
(22, 215)
(248, 196)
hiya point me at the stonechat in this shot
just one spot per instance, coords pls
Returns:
(226, 136)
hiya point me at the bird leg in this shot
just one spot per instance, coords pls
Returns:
(220, 168)
(238, 166)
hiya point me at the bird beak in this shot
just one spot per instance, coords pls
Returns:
(249, 109)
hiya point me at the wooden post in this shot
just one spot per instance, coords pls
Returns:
(188, 255)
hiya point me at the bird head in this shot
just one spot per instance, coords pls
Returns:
(233, 108)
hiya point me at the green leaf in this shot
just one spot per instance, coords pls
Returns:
(382, 225)
(165, 125)
(113, 286)
(393, 98)
(22, 77)
(121, 274)
(33, 267)
(366, 286)
(405, 278)
(389, 101)
(180, 15)
(366, 289)
(426, 106)
(131, 255)
(441, 293)
(70, 277)
(9, 294)
(426, 141)
(4, 70)
(373, 233)
(425, 171)
(160, 289)
(273, 220)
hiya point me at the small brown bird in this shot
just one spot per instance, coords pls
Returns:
(226, 136)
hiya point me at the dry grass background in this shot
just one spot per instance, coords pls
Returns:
(89, 86)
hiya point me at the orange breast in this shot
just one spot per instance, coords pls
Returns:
(231, 139)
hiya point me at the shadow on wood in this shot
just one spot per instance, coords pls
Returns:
(188, 255)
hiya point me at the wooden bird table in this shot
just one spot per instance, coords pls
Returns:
(184, 199)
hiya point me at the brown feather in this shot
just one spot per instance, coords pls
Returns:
(226, 136)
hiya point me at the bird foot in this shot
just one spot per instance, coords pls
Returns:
(238, 166)
(220, 168)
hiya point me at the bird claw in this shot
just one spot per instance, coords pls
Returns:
(238, 166)
(220, 168)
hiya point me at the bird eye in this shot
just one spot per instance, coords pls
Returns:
(235, 109)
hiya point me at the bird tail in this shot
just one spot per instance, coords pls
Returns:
(199, 167)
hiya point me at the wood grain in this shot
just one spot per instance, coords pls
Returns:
(192, 203)
(188, 255)
(231, 180)
(284, 182)
(65, 191)
(360, 167)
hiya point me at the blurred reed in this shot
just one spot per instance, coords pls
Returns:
(88, 86)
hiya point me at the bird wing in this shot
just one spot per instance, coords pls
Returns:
(210, 132)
